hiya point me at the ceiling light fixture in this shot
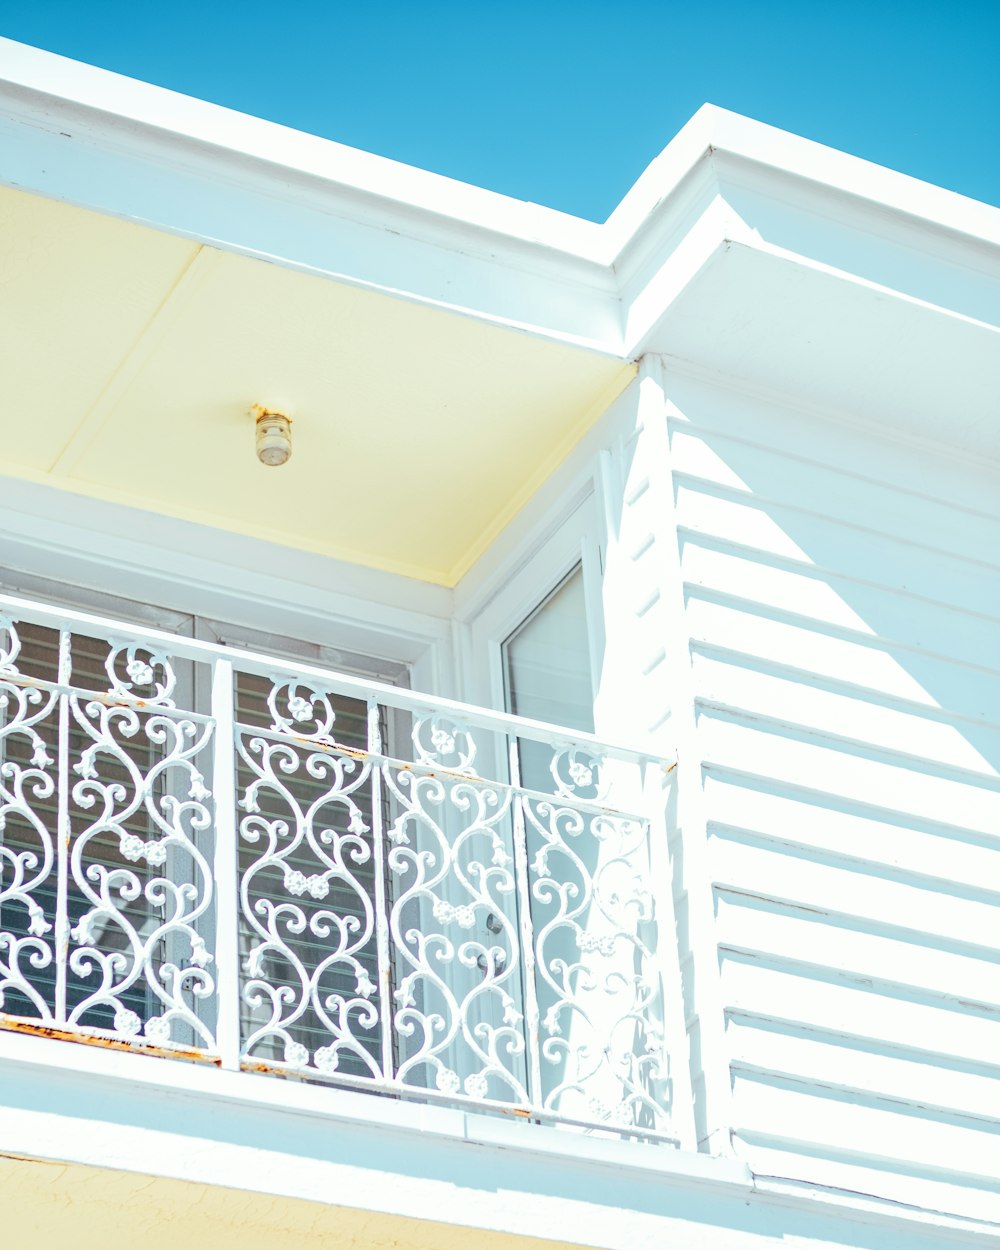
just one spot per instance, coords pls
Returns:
(274, 436)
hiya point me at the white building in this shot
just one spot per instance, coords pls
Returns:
(712, 485)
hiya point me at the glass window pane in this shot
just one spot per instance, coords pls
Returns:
(547, 659)
(547, 674)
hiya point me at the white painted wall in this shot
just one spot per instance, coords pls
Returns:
(837, 703)
(807, 610)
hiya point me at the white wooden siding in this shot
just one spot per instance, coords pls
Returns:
(842, 603)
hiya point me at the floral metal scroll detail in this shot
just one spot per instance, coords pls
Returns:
(307, 843)
(577, 773)
(599, 989)
(140, 874)
(453, 931)
(27, 842)
(10, 647)
(300, 710)
(104, 882)
(442, 742)
(140, 674)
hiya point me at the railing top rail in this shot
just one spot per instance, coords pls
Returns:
(176, 645)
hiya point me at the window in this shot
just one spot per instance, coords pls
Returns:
(547, 672)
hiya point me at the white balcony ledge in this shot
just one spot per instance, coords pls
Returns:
(123, 1077)
(415, 1176)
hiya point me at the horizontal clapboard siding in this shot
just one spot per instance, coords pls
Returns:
(842, 600)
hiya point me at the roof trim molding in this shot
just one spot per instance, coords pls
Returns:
(94, 138)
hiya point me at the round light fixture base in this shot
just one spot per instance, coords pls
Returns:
(274, 436)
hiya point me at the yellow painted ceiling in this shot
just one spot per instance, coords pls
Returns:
(54, 1204)
(129, 359)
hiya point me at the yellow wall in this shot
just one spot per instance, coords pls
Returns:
(48, 1205)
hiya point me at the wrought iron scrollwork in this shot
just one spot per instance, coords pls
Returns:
(455, 937)
(139, 872)
(405, 914)
(306, 905)
(27, 839)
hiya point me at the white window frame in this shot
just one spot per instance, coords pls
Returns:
(50, 540)
(570, 536)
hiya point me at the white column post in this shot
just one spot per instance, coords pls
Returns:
(375, 752)
(652, 465)
(62, 934)
(532, 1020)
(226, 866)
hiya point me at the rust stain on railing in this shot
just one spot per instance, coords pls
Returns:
(34, 1028)
(275, 1069)
(107, 698)
(319, 744)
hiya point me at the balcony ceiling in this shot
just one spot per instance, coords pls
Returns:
(167, 263)
(130, 357)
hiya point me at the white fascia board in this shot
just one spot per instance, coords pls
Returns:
(727, 180)
(884, 189)
(133, 106)
(718, 133)
(81, 134)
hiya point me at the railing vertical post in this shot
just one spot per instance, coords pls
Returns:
(226, 866)
(532, 1022)
(375, 753)
(675, 1053)
(62, 934)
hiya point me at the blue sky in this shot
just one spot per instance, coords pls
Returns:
(565, 103)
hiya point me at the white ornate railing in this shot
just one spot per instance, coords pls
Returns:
(212, 853)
